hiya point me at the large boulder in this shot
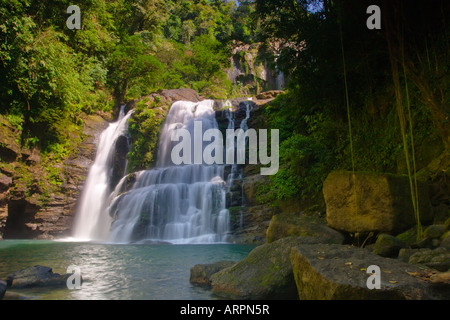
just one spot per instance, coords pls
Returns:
(372, 202)
(36, 276)
(293, 225)
(338, 272)
(266, 273)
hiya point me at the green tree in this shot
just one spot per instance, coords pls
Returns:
(130, 64)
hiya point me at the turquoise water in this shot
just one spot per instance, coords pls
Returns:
(118, 271)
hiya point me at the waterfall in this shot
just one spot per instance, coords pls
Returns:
(236, 172)
(174, 203)
(91, 222)
(280, 80)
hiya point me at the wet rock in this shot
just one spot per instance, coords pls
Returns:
(249, 224)
(36, 276)
(338, 272)
(119, 160)
(201, 273)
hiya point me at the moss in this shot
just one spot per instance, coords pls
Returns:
(144, 127)
(409, 236)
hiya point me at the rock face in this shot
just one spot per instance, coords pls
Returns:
(370, 202)
(27, 208)
(167, 97)
(293, 225)
(36, 276)
(337, 272)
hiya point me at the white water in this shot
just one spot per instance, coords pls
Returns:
(235, 172)
(92, 222)
(176, 204)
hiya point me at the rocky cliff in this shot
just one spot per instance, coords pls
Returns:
(38, 194)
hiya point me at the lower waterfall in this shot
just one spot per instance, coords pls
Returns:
(174, 203)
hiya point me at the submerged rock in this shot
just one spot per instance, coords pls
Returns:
(36, 276)
(337, 272)
(201, 273)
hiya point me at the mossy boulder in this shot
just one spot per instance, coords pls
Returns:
(435, 231)
(339, 272)
(388, 245)
(266, 273)
(373, 202)
(445, 240)
(294, 225)
(409, 237)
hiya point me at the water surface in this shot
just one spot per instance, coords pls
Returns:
(118, 271)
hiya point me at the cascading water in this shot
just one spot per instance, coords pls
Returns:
(235, 172)
(91, 222)
(174, 203)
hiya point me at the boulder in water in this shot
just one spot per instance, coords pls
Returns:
(36, 276)
(201, 273)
